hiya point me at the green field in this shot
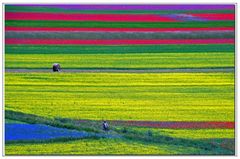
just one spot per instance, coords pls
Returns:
(100, 24)
(127, 61)
(123, 96)
(100, 147)
(191, 133)
(115, 49)
(12, 121)
(56, 10)
(165, 99)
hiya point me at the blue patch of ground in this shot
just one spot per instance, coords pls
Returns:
(39, 132)
(26, 132)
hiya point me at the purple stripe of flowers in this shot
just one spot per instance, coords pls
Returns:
(137, 7)
(185, 17)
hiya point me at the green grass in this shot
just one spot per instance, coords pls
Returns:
(9, 8)
(125, 49)
(199, 133)
(123, 96)
(13, 121)
(100, 147)
(127, 61)
(189, 133)
(96, 24)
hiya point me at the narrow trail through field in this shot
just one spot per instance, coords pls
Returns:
(117, 70)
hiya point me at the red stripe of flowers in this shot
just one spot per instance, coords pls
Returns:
(88, 17)
(180, 125)
(117, 42)
(215, 16)
(9, 28)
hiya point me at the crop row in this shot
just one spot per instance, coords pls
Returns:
(121, 10)
(93, 147)
(93, 24)
(74, 49)
(121, 35)
(116, 96)
(146, 60)
(189, 133)
(125, 49)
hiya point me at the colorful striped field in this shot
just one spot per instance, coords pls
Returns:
(157, 73)
(84, 29)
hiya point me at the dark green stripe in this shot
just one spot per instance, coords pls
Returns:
(104, 69)
(68, 49)
(92, 24)
(120, 35)
(58, 10)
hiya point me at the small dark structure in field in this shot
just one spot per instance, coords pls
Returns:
(56, 67)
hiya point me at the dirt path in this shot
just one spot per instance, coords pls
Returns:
(228, 69)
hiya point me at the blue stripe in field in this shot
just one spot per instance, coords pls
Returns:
(28, 132)
(39, 132)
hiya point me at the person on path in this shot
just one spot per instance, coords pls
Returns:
(105, 126)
